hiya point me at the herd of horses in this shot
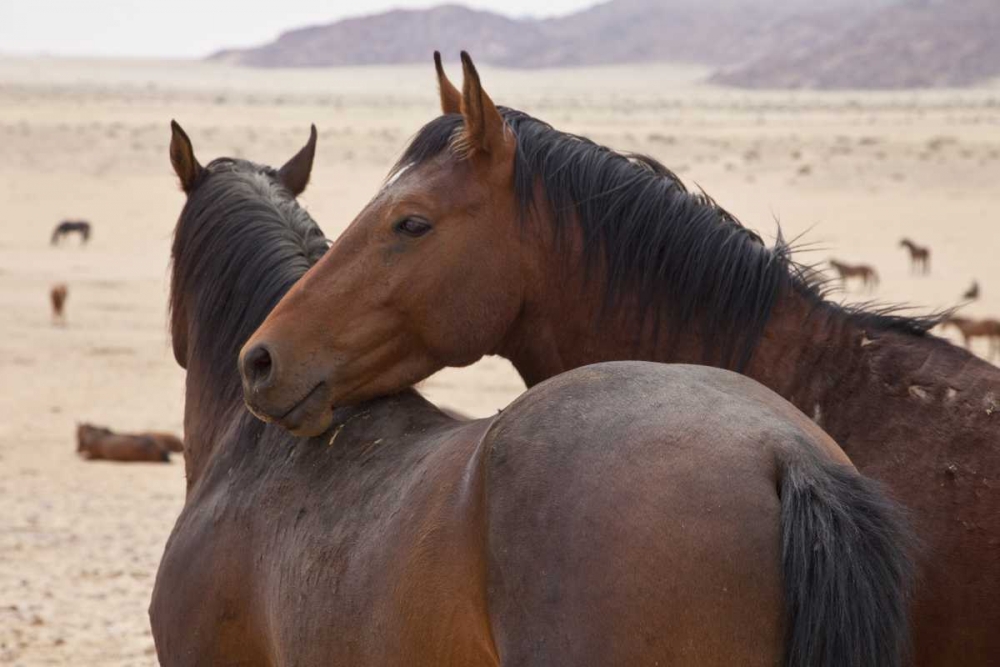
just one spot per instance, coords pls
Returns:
(773, 479)
(99, 443)
(969, 328)
(59, 292)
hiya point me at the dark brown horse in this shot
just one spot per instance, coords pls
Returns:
(57, 296)
(920, 256)
(867, 274)
(501, 235)
(621, 514)
(81, 227)
(96, 442)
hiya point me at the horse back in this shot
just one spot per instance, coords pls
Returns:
(374, 529)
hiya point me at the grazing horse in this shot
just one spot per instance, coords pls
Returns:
(920, 256)
(620, 514)
(969, 328)
(81, 227)
(96, 442)
(972, 293)
(57, 295)
(501, 235)
(867, 274)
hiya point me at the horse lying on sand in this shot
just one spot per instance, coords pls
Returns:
(620, 514)
(81, 227)
(98, 442)
(498, 234)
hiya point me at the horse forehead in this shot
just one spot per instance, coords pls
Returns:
(443, 179)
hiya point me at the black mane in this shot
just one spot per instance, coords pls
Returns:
(691, 263)
(241, 242)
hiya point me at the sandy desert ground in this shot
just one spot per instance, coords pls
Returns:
(80, 542)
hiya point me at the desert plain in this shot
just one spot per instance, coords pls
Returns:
(847, 174)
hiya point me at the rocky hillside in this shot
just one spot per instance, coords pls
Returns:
(752, 43)
(917, 44)
(713, 32)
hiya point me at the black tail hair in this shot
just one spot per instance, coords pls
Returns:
(847, 552)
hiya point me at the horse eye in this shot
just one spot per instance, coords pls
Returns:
(413, 227)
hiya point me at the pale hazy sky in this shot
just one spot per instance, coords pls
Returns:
(193, 28)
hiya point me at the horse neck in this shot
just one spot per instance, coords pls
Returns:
(801, 351)
(210, 408)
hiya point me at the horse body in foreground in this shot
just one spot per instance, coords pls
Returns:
(501, 235)
(621, 514)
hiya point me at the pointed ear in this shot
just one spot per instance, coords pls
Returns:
(295, 173)
(484, 126)
(182, 157)
(451, 99)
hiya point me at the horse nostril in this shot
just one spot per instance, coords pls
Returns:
(257, 365)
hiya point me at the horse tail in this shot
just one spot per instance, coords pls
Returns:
(847, 567)
(55, 235)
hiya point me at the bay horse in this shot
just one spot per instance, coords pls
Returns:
(66, 227)
(620, 514)
(867, 274)
(57, 296)
(498, 234)
(96, 442)
(970, 328)
(920, 256)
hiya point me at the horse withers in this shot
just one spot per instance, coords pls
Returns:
(499, 234)
(620, 514)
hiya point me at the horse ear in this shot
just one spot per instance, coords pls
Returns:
(295, 173)
(484, 126)
(182, 157)
(451, 99)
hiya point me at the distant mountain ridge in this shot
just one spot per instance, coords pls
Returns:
(751, 43)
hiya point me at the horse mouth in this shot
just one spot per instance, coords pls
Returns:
(302, 418)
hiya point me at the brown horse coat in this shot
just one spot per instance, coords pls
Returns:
(556, 253)
(94, 442)
(620, 514)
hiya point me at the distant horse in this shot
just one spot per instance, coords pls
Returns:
(501, 235)
(81, 227)
(57, 295)
(920, 256)
(969, 328)
(867, 274)
(96, 442)
(620, 514)
(972, 293)
(166, 441)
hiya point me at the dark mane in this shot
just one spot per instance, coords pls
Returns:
(241, 242)
(690, 262)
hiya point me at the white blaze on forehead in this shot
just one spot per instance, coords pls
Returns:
(394, 177)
